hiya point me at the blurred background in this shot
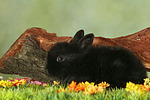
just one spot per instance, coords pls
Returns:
(107, 18)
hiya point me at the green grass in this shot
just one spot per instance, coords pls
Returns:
(36, 92)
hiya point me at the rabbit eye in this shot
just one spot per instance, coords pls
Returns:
(60, 59)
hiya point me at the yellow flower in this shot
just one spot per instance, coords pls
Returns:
(2, 83)
(138, 88)
(61, 90)
(5, 83)
(134, 88)
(90, 89)
(100, 89)
(56, 83)
(146, 81)
(87, 83)
(146, 86)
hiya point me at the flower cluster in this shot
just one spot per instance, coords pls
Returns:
(91, 88)
(138, 88)
(19, 81)
(8, 83)
(87, 88)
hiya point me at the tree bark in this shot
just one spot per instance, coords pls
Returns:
(28, 55)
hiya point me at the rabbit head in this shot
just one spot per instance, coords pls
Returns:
(65, 58)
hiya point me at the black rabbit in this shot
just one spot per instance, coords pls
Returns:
(80, 61)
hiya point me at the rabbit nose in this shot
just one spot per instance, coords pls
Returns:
(60, 59)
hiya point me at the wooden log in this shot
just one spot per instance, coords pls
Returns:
(27, 56)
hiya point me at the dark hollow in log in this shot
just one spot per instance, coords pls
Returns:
(27, 56)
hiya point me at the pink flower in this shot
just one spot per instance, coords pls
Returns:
(38, 83)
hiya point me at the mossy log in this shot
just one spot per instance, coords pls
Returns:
(27, 56)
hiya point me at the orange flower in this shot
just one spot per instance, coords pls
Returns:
(103, 85)
(72, 85)
(146, 88)
(80, 87)
(18, 82)
(88, 88)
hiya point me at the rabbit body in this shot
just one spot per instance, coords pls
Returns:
(80, 61)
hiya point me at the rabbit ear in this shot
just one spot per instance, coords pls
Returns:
(77, 36)
(86, 41)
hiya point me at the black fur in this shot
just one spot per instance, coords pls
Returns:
(80, 61)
